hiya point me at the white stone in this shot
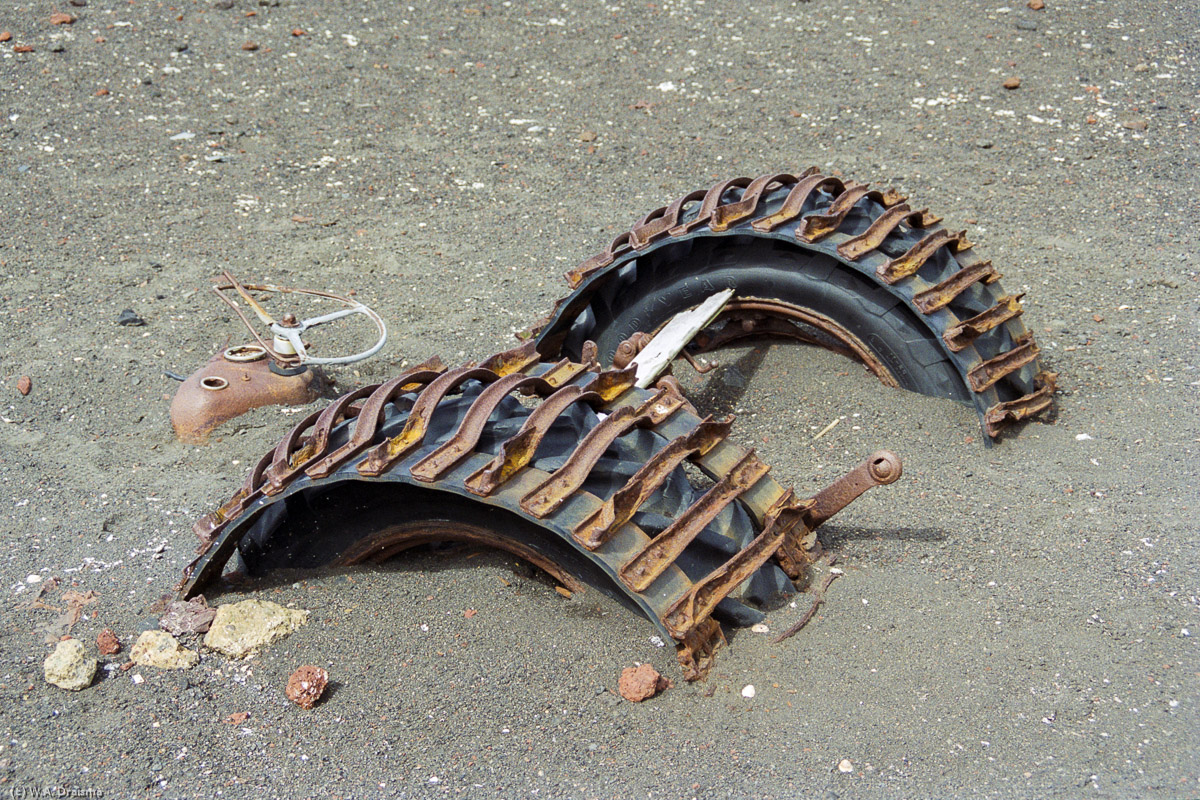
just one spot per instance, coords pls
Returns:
(161, 649)
(69, 666)
(240, 629)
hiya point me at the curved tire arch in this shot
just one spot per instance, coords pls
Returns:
(932, 276)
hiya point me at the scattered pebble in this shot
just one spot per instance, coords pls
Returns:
(24, 384)
(5, 36)
(161, 649)
(748, 691)
(23, 48)
(306, 685)
(240, 629)
(760, 627)
(641, 683)
(136, 679)
(250, 47)
(1036, 5)
(1012, 83)
(69, 666)
(107, 643)
(657, 641)
(1134, 124)
(129, 317)
(845, 766)
(1082, 437)
(61, 18)
(237, 718)
(297, 32)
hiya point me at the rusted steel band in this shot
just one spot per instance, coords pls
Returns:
(731, 213)
(620, 508)
(659, 223)
(697, 649)
(795, 553)
(384, 455)
(961, 335)
(366, 424)
(515, 360)
(984, 375)
(881, 228)
(653, 559)
(619, 246)
(565, 480)
(287, 464)
(907, 265)
(563, 372)
(459, 446)
(254, 479)
(517, 451)
(942, 294)
(613, 383)
(793, 205)
(209, 526)
(700, 600)
(289, 445)
(206, 529)
(712, 199)
(396, 539)
(1001, 415)
(817, 226)
(879, 468)
(888, 198)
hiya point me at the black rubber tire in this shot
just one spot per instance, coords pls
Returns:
(918, 299)
(314, 523)
(326, 521)
(668, 282)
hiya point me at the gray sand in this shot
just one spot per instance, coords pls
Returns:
(1018, 621)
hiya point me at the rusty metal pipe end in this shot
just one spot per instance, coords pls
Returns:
(878, 469)
(885, 467)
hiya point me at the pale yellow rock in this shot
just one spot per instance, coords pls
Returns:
(69, 666)
(240, 629)
(161, 649)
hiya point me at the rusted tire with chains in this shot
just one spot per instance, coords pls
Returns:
(824, 260)
(563, 464)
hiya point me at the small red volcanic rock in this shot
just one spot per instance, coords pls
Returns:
(306, 686)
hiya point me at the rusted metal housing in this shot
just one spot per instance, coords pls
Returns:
(450, 454)
(932, 273)
(232, 383)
